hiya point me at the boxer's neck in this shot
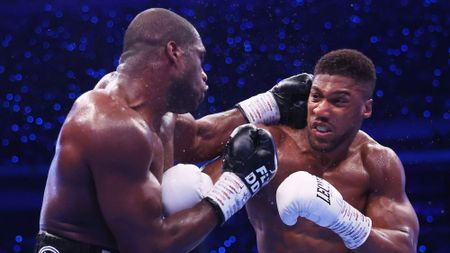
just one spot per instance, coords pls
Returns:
(143, 94)
(332, 158)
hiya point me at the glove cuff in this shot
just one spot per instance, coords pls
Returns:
(228, 195)
(260, 109)
(352, 226)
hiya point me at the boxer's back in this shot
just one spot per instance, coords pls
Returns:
(70, 207)
(350, 177)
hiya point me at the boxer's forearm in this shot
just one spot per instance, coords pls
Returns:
(186, 229)
(388, 241)
(211, 134)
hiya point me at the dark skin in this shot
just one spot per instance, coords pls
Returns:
(368, 175)
(103, 186)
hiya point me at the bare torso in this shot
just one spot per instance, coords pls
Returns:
(74, 212)
(350, 177)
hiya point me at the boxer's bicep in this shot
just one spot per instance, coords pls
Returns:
(393, 214)
(388, 206)
(128, 193)
(185, 135)
(132, 209)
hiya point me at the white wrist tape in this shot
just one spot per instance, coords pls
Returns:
(229, 193)
(261, 109)
(352, 226)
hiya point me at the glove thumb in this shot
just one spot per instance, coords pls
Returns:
(288, 219)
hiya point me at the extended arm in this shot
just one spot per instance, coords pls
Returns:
(203, 139)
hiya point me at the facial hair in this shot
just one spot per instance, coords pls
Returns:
(182, 98)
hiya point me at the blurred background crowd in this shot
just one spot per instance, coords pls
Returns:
(53, 51)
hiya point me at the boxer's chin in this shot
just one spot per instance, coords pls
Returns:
(320, 144)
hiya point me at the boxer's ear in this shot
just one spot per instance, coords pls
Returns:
(173, 51)
(367, 108)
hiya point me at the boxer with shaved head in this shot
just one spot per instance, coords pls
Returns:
(103, 191)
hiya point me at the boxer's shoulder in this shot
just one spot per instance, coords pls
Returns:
(370, 148)
(378, 160)
(97, 107)
(95, 117)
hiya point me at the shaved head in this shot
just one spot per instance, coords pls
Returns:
(154, 28)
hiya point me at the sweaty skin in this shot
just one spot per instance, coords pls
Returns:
(108, 165)
(375, 189)
(103, 186)
(369, 176)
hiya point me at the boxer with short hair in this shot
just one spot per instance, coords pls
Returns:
(337, 189)
(103, 191)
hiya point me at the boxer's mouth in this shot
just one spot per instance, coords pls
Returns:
(321, 127)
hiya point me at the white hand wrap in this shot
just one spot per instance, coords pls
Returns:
(183, 186)
(352, 226)
(260, 109)
(230, 194)
(302, 194)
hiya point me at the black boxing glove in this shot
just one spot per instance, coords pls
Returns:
(250, 162)
(285, 103)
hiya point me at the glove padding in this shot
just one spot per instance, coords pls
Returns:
(291, 95)
(313, 198)
(251, 155)
(183, 186)
(250, 162)
(285, 103)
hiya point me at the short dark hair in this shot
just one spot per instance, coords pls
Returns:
(155, 27)
(349, 63)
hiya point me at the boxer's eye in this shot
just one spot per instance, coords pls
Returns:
(315, 97)
(339, 101)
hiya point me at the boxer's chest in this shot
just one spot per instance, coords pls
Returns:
(349, 177)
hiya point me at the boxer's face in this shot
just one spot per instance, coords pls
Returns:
(189, 88)
(336, 108)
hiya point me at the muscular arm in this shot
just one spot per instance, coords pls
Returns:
(213, 169)
(129, 195)
(203, 139)
(395, 226)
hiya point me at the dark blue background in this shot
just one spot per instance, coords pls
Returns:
(52, 51)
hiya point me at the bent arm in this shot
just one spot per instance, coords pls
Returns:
(395, 226)
(129, 197)
(205, 138)
(214, 169)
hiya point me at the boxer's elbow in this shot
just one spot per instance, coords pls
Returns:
(404, 242)
(401, 240)
(169, 244)
(155, 243)
(408, 237)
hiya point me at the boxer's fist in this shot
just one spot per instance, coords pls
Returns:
(183, 186)
(291, 95)
(250, 154)
(304, 195)
(285, 103)
(250, 162)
